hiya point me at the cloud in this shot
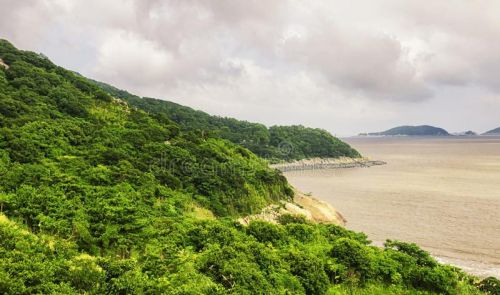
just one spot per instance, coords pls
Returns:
(31, 12)
(127, 59)
(376, 66)
(281, 61)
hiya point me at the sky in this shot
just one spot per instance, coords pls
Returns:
(345, 66)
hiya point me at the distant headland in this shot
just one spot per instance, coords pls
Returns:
(493, 132)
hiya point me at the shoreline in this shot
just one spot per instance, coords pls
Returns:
(326, 163)
(434, 187)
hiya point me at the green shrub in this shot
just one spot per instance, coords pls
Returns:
(357, 258)
(490, 285)
(285, 219)
(310, 270)
(266, 232)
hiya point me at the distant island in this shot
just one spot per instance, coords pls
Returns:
(493, 132)
(427, 130)
(424, 130)
(465, 133)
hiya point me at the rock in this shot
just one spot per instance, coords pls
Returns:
(320, 211)
(312, 209)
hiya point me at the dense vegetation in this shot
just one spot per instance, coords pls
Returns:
(423, 130)
(97, 197)
(493, 132)
(276, 143)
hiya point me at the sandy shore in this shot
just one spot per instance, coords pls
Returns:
(326, 163)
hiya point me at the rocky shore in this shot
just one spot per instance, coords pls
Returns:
(310, 208)
(326, 163)
(307, 206)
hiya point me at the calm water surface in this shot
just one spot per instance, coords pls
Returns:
(441, 193)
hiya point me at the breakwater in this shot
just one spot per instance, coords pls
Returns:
(326, 163)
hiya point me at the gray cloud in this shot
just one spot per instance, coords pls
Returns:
(340, 65)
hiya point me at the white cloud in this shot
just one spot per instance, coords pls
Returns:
(126, 59)
(342, 65)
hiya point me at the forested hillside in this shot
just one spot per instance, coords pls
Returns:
(276, 143)
(98, 197)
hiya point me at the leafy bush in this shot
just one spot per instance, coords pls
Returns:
(310, 271)
(490, 285)
(356, 257)
(266, 232)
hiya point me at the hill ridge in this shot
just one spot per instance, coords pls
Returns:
(276, 143)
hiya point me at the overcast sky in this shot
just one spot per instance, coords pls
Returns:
(345, 66)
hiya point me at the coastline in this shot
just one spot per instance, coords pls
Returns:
(436, 186)
(311, 208)
(326, 163)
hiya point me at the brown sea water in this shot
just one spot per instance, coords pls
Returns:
(442, 193)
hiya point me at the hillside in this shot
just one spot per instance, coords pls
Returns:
(276, 143)
(423, 130)
(493, 132)
(98, 197)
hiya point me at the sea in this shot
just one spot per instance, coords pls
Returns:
(442, 193)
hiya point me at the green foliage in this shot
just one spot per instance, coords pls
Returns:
(265, 232)
(91, 141)
(290, 218)
(423, 258)
(310, 270)
(97, 197)
(299, 142)
(490, 285)
(356, 258)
